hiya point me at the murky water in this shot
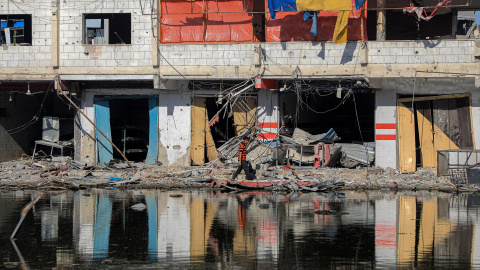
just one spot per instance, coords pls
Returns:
(198, 229)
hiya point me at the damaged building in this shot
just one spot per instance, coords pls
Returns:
(387, 83)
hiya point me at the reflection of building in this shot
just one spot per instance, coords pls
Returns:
(385, 231)
(92, 217)
(173, 228)
(430, 230)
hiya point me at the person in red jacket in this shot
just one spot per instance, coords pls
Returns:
(242, 160)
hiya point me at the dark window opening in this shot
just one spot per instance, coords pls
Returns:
(224, 129)
(107, 28)
(16, 30)
(129, 120)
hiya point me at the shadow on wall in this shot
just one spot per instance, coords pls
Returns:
(21, 121)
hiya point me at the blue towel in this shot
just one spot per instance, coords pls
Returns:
(359, 3)
(279, 5)
(311, 15)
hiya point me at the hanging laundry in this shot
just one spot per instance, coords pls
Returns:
(281, 5)
(311, 15)
(307, 5)
(331, 5)
(359, 3)
(421, 13)
(340, 33)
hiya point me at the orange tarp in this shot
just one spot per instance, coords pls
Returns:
(223, 21)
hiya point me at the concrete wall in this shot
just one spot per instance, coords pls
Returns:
(175, 127)
(320, 59)
(39, 54)
(72, 52)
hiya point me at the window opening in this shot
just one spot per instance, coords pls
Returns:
(16, 30)
(111, 28)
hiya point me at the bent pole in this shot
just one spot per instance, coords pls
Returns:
(24, 212)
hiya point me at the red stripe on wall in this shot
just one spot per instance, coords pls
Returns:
(386, 126)
(269, 136)
(386, 137)
(268, 125)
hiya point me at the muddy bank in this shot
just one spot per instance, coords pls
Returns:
(63, 174)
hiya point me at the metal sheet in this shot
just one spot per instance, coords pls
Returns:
(102, 120)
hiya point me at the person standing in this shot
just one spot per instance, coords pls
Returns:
(242, 160)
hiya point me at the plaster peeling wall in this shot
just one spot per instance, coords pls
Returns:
(86, 129)
(175, 127)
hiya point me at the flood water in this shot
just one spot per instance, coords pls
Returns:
(252, 230)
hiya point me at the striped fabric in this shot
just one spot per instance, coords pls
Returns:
(242, 153)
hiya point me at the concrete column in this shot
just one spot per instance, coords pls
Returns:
(267, 114)
(55, 34)
(381, 21)
(386, 129)
(155, 33)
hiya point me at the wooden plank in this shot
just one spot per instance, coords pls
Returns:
(197, 145)
(441, 137)
(466, 135)
(244, 114)
(425, 134)
(453, 124)
(433, 97)
(210, 143)
(102, 120)
(406, 138)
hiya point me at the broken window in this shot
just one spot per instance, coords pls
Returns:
(107, 28)
(466, 24)
(16, 30)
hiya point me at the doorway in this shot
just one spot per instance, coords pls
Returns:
(207, 137)
(430, 124)
(131, 123)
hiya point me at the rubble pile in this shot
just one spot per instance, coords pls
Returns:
(64, 174)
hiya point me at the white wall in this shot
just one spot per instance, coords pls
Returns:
(175, 127)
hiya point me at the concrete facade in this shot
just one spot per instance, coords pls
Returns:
(444, 66)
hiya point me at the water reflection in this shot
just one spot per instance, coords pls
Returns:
(246, 230)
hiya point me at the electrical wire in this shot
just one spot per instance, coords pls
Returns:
(32, 121)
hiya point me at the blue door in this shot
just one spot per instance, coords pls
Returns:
(152, 153)
(102, 120)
